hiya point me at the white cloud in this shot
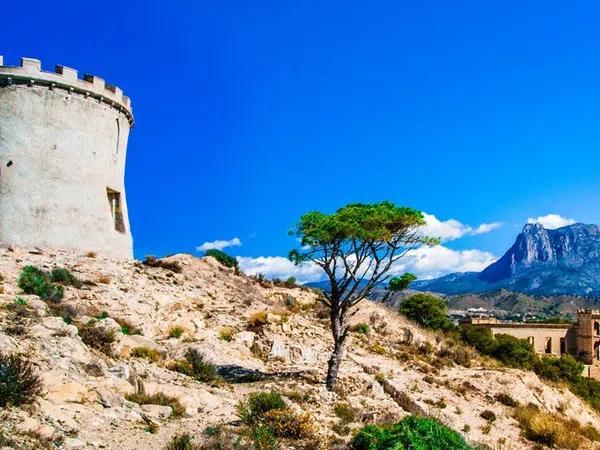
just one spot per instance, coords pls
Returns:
(425, 262)
(452, 229)
(219, 245)
(486, 227)
(432, 262)
(279, 267)
(552, 221)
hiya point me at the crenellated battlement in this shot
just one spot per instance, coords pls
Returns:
(588, 312)
(30, 73)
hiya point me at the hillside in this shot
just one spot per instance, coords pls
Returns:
(565, 261)
(394, 369)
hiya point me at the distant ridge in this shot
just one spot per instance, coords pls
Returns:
(565, 261)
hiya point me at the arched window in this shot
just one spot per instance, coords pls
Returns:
(597, 328)
(548, 347)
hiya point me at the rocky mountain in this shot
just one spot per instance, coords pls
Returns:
(259, 337)
(565, 261)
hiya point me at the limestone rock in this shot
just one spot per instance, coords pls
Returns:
(245, 338)
(279, 351)
(109, 324)
(157, 412)
(129, 342)
(74, 444)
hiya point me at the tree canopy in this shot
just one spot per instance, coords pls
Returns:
(358, 244)
(427, 310)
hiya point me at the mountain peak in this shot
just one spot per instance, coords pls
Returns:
(565, 260)
(535, 227)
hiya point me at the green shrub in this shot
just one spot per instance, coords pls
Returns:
(565, 368)
(253, 409)
(97, 337)
(7, 442)
(428, 311)
(480, 338)
(223, 258)
(345, 412)
(66, 311)
(361, 328)
(461, 355)
(506, 400)
(141, 398)
(509, 350)
(220, 437)
(488, 415)
(411, 433)
(18, 383)
(127, 327)
(589, 390)
(147, 353)
(513, 352)
(176, 331)
(37, 282)
(63, 276)
(290, 282)
(262, 438)
(181, 442)
(194, 365)
(267, 417)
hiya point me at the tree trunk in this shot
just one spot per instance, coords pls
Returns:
(340, 332)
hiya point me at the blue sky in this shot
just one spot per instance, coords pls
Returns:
(251, 113)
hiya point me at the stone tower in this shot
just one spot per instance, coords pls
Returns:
(63, 143)
(588, 335)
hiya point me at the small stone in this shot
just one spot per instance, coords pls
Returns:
(121, 371)
(74, 444)
(157, 412)
(273, 318)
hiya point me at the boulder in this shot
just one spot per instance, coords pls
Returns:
(120, 371)
(245, 337)
(109, 324)
(52, 326)
(157, 412)
(7, 344)
(110, 399)
(279, 351)
(301, 354)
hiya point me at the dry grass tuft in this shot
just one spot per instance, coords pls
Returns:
(551, 429)
(103, 279)
(147, 353)
(158, 398)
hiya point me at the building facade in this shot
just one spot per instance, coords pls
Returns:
(581, 339)
(63, 145)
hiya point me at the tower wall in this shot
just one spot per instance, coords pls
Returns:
(588, 335)
(63, 145)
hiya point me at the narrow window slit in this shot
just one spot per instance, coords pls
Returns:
(114, 200)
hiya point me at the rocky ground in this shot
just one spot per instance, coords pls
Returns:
(393, 370)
